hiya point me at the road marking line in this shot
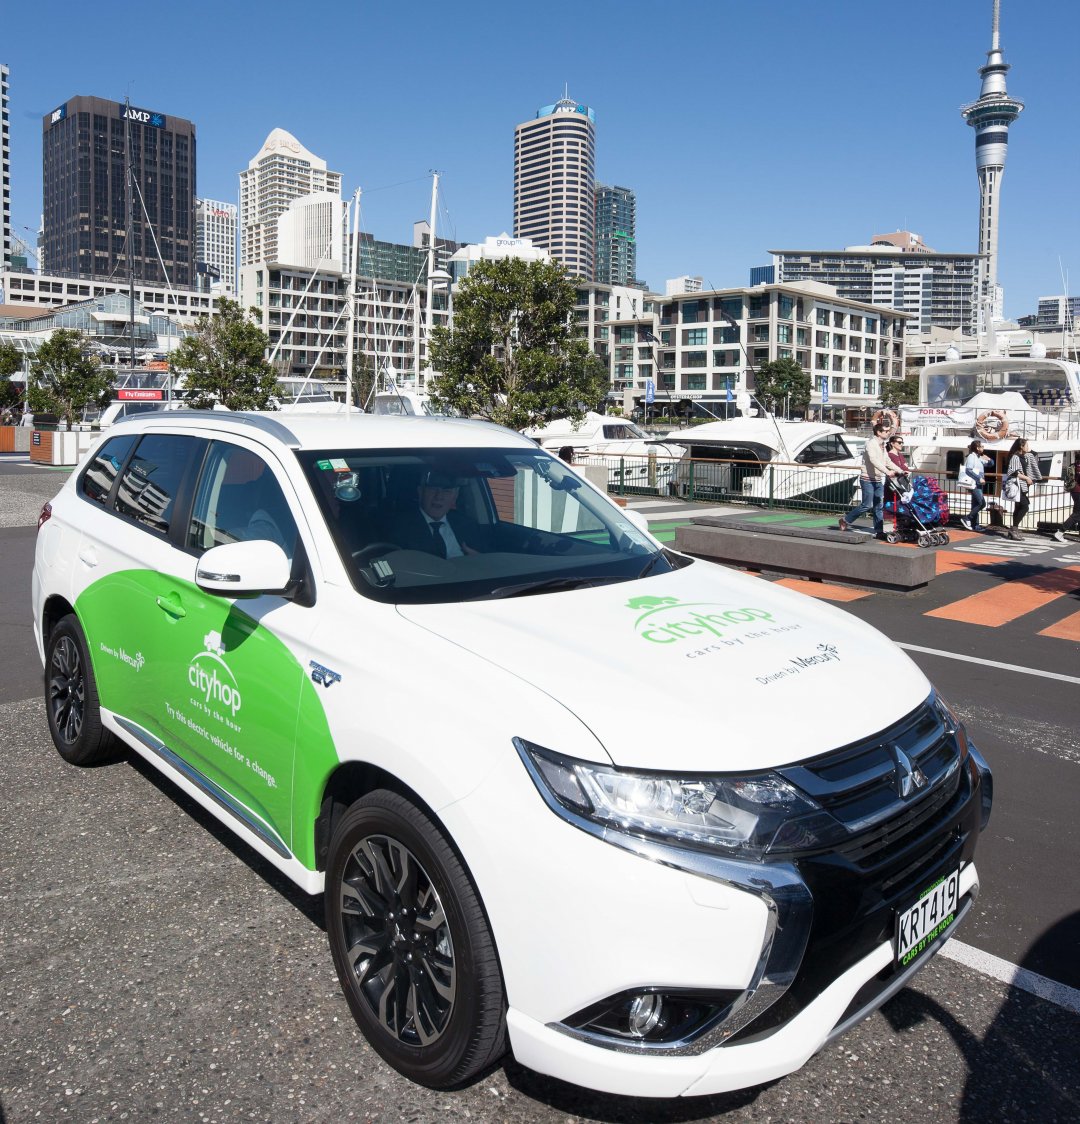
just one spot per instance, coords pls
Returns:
(825, 592)
(1012, 599)
(989, 965)
(1068, 629)
(990, 663)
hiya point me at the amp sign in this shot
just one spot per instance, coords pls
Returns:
(143, 116)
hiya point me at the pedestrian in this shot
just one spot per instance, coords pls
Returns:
(877, 468)
(1023, 469)
(895, 448)
(975, 465)
(1071, 478)
(566, 453)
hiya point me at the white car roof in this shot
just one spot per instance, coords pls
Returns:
(334, 431)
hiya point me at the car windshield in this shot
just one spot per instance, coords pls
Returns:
(510, 523)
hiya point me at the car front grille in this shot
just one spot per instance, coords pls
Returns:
(896, 846)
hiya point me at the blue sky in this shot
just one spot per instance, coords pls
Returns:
(742, 127)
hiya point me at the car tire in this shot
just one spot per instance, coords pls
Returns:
(411, 943)
(71, 698)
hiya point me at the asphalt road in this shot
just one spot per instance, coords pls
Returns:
(152, 966)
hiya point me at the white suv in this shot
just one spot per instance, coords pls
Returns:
(566, 791)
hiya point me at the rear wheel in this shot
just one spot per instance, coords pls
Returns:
(411, 944)
(71, 698)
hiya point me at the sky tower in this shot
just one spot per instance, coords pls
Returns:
(991, 117)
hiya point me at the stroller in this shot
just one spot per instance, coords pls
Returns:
(920, 510)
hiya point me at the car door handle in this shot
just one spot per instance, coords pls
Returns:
(172, 606)
(88, 557)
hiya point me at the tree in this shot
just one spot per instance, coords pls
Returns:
(898, 392)
(10, 362)
(66, 377)
(512, 356)
(224, 360)
(782, 383)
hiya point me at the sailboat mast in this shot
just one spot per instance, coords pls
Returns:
(129, 187)
(350, 345)
(430, 289)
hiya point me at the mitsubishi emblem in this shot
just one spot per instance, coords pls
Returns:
(909, 777)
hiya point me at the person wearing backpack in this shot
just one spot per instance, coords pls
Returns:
(1071, 479)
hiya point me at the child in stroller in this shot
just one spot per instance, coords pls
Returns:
(920, 511)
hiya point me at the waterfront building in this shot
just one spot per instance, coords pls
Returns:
(86, 142)
(400, 261)
(5, 163)
(685, 284)
(281, 171)
(311, 232)
(990, 116)
(34, 291)
(935, 289)
(616, 245)
(1058, 312)
(554, 178)
(215, 244)
(700, 346)
(493, 247)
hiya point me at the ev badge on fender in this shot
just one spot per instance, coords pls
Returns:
(323, 675)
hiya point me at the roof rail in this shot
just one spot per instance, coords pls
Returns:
(270, 426)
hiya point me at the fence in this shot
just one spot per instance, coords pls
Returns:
(797, 487)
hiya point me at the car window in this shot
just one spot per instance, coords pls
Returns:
(511, 520)
(148, 487)
(100, 474)
(238, 499)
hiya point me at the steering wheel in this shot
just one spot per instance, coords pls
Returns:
(372, 551)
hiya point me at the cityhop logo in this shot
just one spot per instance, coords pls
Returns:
(667, 620)
(210, 676)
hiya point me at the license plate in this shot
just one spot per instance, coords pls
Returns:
(927, 921)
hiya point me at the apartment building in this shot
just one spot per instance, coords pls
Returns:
(215, 244)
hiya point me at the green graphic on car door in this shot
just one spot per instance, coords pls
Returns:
(193, 675)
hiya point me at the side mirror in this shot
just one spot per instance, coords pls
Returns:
(239, 568)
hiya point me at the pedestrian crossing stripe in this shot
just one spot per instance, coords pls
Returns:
(1011, 599)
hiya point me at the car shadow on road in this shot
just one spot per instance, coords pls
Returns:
(311, 906)
(1026, 1066)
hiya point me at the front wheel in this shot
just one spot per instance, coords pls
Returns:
(413, 950)
(71, 698)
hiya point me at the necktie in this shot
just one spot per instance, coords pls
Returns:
(437, 537)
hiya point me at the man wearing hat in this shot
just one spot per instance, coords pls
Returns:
(435, 525)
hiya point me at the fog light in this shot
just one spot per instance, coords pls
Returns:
(644, 1014)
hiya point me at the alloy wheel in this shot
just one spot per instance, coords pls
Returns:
(397, 940)
(67, 690)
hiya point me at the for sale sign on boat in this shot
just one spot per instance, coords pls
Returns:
(937, 417)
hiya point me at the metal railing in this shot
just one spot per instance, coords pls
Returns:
(824, 488)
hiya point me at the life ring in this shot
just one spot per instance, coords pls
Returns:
(886, 417)
(992, 425)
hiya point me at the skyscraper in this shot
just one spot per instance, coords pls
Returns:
(616, 223)
(5, 160)
(215, 242)
(283, 170)
(554, 175)
(991, 117)
(85, 146)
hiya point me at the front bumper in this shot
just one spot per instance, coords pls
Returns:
(737, 1065)
(805, 946)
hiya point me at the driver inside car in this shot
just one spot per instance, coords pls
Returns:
(434, 524)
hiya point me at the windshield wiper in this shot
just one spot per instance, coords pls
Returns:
(647, 568)
(546, 585)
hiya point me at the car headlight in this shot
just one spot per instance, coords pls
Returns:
(745, 816)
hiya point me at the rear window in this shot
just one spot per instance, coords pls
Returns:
(149, 484)
(104, 467)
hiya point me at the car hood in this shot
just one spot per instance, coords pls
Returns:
(702, 669)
